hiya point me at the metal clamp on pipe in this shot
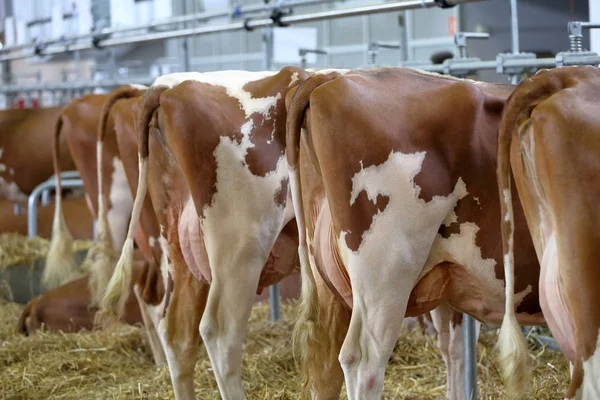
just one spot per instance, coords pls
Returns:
(504, 69)
(575, 29)
(276, 16)
(576, 54)
(303, 52)
(461, 65)
(374, 47)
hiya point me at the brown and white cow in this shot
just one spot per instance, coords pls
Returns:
(550, 136)
(68, 308)
(214, 164)
(77, 214)
(25, 151)
(393, 183)
(79, 122)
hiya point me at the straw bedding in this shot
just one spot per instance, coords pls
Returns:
(17, 249)
(117, 364)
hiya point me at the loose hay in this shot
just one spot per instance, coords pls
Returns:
(17, 249)
(117, 364)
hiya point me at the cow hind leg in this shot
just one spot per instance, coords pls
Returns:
(379, 304)
(317, 347)
(178, 332)
(150, 325)
(223, 325)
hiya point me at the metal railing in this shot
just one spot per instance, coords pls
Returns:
(69, 180)
(278, 18)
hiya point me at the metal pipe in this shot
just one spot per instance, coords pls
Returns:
(238, 26)
(32, 202)
(45, 197)
(514, 26)
(274, 299)
(459, 66)
(109, 83)
(470, 344)
(197, 17)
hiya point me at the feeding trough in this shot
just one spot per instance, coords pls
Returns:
(22, 262)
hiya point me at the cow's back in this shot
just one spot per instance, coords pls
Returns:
(26, 150)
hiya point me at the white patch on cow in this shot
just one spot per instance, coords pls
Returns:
(2, 167)
(272, 138)
(451, 218)
(245, 198)
(11, 172)
(508, 204)
(462, 249)
(325, 71)
(10, 191)
(233, 82)
(414, 237)
(293, 79)
(137, 86)
(591, 375)
(413, 223)
(477, 201)
(165, 265)
(152, 241)
(121, 204)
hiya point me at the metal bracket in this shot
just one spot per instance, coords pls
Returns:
(502, 58)
(575, 29)
(374, 47)
(247, 26)
(456, 66)
(460, 41)
(569, 58)
(460, 67)
(303, 52)
(276, 16)
(444, 4)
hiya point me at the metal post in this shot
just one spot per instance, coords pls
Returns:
(274, 299)
(273, 289)
(268, 40)
(470, 345)
(514, 26)
(186, 45)
(46, 197)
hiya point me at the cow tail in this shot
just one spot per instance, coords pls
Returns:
(60, 264)
(112, 304)
(101, 258)
(314, 326)
(512, 347)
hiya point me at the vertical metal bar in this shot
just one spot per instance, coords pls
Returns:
(273, 289)
(77, 58)
(186, 44)
(514, 27)
(403, 38)
(268, 41)
(470, 344)
(35, 194)
(274, 298)
(46, 197)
